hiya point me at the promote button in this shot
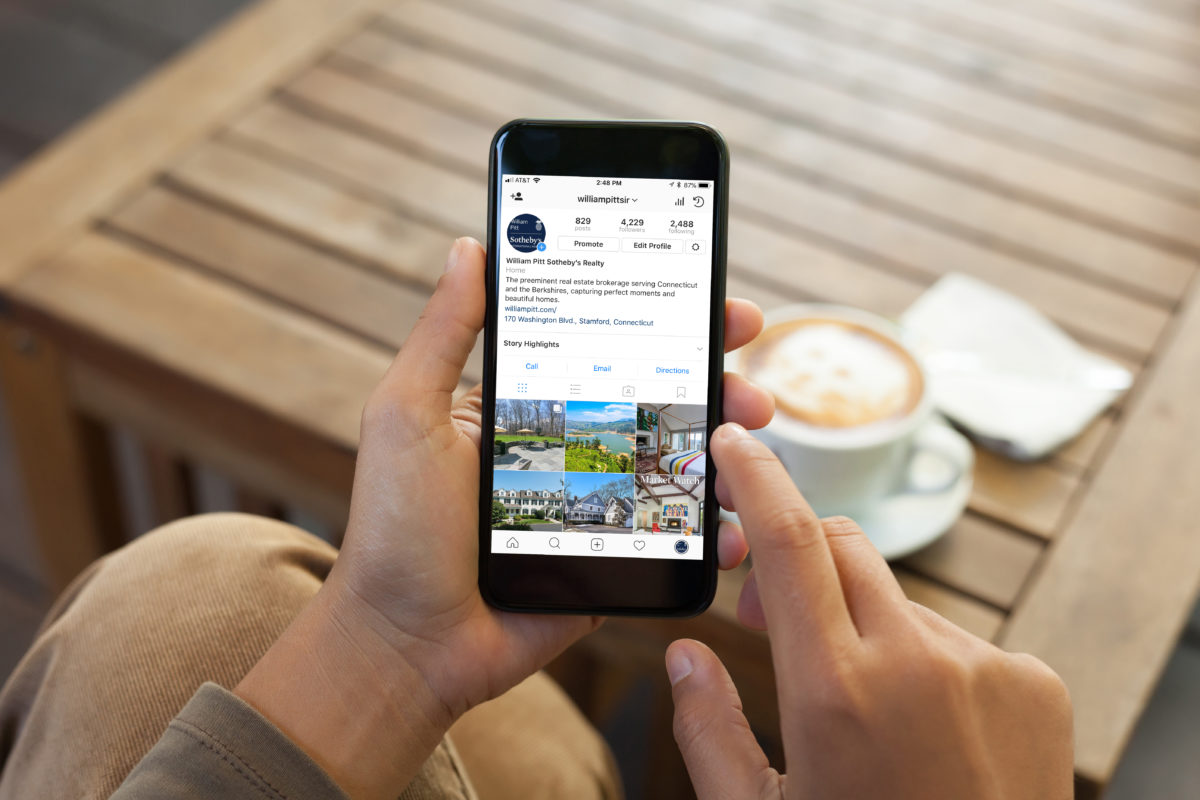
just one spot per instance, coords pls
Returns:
(599, 244)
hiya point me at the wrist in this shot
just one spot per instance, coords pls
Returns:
(348, 697)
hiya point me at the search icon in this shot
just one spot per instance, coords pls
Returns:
(554, 541)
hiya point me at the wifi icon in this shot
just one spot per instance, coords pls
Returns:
(535, 180)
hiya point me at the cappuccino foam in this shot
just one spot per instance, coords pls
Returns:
(833, 373)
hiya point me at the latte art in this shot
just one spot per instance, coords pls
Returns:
(834, 373)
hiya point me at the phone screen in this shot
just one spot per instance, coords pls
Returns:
(602, 366)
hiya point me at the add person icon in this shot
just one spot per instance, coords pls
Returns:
(517, 196)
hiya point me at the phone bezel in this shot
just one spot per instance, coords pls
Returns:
(604, 149)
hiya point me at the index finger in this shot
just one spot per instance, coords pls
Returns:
(797, 579)
(743, 321)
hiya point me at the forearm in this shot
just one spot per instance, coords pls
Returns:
(348, 698)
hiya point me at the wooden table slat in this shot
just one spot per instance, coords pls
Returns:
(824, 217)
(599, 41)
(1084, 449)
(1162, 119)
(1023, 35)
(1032, 497)
(874, 77)
(314, 211)
(981, 559)
(322, 286)
(302, 371)
(412, 185)
(1116, 22)
(1185, 11)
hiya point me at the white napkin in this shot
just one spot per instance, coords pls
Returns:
(1004, 372)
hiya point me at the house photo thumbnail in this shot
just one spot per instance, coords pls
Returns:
(671, 439)
(529, 435)
(669, 504)
(597, 502)
(599, 436)
(527, 501)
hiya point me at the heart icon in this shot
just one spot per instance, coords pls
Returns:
(638, 544)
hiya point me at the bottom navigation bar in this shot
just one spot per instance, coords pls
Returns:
(642, 544)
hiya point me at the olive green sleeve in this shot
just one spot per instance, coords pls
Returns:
(219, 746)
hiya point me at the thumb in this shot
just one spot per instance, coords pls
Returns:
(429, 364)
(722, 757)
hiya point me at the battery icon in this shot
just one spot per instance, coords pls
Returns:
(703, 184)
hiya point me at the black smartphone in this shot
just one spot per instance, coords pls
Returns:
(603, 351)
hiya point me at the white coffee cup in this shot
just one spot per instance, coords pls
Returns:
(847, 468)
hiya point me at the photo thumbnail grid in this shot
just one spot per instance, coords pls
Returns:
(599, 467)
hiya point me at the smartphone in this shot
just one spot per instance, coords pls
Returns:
(603, 358)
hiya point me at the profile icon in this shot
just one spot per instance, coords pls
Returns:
(526, 233)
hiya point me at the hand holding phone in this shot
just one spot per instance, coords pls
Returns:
(411, 544)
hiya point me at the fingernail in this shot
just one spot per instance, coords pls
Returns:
(733, 429)
(679, 666)
(452, 258)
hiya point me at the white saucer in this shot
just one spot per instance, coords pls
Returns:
(910, 519)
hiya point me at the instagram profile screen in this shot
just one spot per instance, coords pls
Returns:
(602, 377)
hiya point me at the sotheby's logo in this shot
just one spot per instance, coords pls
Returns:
(526, 233)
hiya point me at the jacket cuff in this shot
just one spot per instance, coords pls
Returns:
(219, 746)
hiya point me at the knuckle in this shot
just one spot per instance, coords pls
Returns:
(1043, 682)
(840, 526)
(948, 668)
(791, 526)
(931, 662)
(837, 690)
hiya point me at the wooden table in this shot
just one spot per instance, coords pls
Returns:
(225, 260)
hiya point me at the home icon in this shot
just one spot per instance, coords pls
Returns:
(511, 544)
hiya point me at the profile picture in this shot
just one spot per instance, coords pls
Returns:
(526, 232)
